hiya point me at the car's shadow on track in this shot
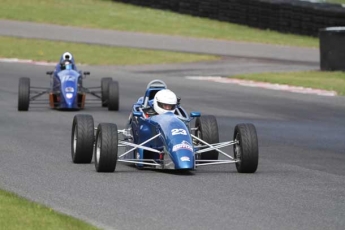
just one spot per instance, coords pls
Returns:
(88, 108)
(182, 172)
(165, 171)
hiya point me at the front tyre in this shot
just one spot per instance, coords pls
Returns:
(23, 94)
(82, 138)
(246, 150)
(106, 147)
(207, 130)
(113, 102)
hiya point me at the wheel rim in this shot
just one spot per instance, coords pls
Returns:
(98, 148)
(75, 139)
(238, 153)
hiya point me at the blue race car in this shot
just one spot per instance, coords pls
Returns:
(161, 141)
(66, 89)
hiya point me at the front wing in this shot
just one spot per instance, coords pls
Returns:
(164, 161)
(54, 100)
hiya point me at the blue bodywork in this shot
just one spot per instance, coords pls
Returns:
(65, 88)
(174, 140)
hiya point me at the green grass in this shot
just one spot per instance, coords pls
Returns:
(42, 50)
(111, 15)
(331, 1)
(18, 213)
(336, 1)
(334, 81)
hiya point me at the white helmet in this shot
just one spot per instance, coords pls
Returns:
(67, 56)
(165, 101)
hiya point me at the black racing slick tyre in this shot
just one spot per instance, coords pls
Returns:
(24, 94)
(114, 97)
(207, 130)
(105, 90)
(246, 149)
(106, 147)
(82, 139)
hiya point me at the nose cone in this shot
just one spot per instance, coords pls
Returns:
(184, 159)
(69, 99)
(69, 88)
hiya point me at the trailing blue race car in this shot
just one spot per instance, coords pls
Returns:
(66, 89)
(159, 135)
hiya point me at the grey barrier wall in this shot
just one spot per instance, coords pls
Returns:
(288, 16)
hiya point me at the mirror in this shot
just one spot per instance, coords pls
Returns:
(85, 73)
(195, 114)
(137, 114)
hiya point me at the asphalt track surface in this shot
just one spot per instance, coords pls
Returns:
(299, 183)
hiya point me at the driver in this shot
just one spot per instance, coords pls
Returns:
(164, 101)
(66, 64)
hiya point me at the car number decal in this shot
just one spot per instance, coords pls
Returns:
(68, 78)
(178, 132)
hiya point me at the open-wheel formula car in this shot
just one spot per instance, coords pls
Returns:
(66, 90)
(165, 141)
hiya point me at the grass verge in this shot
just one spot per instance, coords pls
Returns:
(112, 15)
(42, 50)
(334, 81)
(19, 213)
(336, 1)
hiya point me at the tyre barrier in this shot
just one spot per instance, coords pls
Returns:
(332, 49)
(287, 16)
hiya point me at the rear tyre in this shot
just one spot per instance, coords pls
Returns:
(24, 94)
(113, 102)
(106, 147)
(105, 90)
(82, 139)
(207, 130)
(246, 150)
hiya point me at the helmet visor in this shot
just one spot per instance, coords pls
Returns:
(165, 106)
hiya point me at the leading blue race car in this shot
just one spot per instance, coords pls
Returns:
(165, 141)
(66, 89)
